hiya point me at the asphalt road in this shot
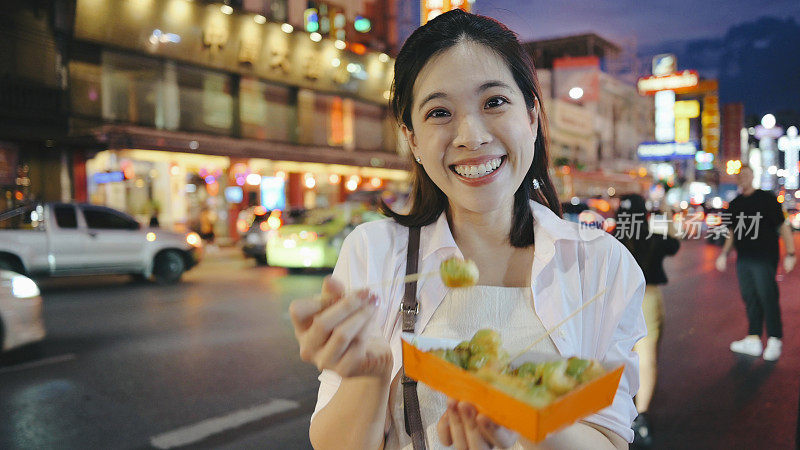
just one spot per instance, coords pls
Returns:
(212, 363)
(136, 365)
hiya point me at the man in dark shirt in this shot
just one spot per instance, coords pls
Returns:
(755, 223)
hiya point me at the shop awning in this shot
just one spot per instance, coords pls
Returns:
(110, 137)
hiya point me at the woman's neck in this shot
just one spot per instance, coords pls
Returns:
(484, 238)
(480, 229)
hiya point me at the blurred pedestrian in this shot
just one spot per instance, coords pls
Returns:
(154, 218)
(468, 103)
(756, 222)
(207, 225)
(649, 250)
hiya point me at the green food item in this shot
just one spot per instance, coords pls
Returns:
(485, 341)
(554, 376)
(457, 272)
(576, 366)
(593, 371)
(449, 355)
(531, 371)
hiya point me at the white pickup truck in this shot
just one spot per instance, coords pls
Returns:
(59, 239)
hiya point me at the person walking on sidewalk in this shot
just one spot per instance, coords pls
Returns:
(649, 250)
(756, 222)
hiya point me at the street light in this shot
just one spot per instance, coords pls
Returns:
(768, 121)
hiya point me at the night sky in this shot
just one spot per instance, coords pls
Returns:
(753, 48)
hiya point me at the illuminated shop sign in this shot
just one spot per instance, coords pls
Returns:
(108, 177)
(680, 80)
(431, 8)
(666, 150)
(199, 33)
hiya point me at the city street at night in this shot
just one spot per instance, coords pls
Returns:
(133, 365)
(176, 174)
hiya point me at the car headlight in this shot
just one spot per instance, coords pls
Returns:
(193, 239)
(23, 287)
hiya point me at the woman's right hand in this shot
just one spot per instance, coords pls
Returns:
(332, 332)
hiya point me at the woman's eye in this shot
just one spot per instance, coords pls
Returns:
(437, 113)
(494, 102)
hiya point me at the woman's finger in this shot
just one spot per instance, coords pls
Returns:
(324, 323)
(332, 291)
(443, 429)
(302, 312)
(352, 361)
(496, 435)
(475, 440)
(342, 336)
(456, 426)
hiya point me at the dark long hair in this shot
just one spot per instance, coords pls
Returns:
(438, 35)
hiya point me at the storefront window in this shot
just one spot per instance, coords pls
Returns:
(266, 111)
(326, 119)
(368, 126)
(206, 103)
(132, 89)
(86, 89)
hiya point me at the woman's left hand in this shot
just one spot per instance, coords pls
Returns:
(464, 428)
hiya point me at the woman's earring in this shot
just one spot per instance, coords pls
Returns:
(417, 159)
(536, 184)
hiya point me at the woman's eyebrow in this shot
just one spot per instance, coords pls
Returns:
(491, 84)
(481, 88)
(430, 97)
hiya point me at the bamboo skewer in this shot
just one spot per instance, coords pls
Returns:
(326, 299)
(556, 326)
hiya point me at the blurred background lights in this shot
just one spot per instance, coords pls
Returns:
(340, 44)
(226, 9)
(259, 19)
(286, 28)
(335, 62)
(768, 121)
(253, 179)
(576, 93)
(316, 37)
(383, 57)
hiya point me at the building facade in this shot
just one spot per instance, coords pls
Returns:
(596, 119)
(177, 106)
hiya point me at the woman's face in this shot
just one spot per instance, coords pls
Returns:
(472, 131)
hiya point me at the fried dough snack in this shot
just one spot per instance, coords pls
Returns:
(457, 272)
(537, 384)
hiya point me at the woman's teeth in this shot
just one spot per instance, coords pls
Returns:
(480, 170)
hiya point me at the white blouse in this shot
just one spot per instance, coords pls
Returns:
(509, 310)
(571, 265)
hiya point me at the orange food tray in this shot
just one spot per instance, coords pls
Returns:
(533, 423)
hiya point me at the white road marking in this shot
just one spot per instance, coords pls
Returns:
(201, 430)
(39, 363)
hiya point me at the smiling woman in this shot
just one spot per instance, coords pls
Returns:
(467, 100)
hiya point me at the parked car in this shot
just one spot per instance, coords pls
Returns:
(316, 240)
(260, 226)
(59, 239)
(20, 311)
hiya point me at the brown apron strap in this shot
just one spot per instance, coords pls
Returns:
(409, 311)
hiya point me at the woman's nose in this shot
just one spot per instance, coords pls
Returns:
(471, 133)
